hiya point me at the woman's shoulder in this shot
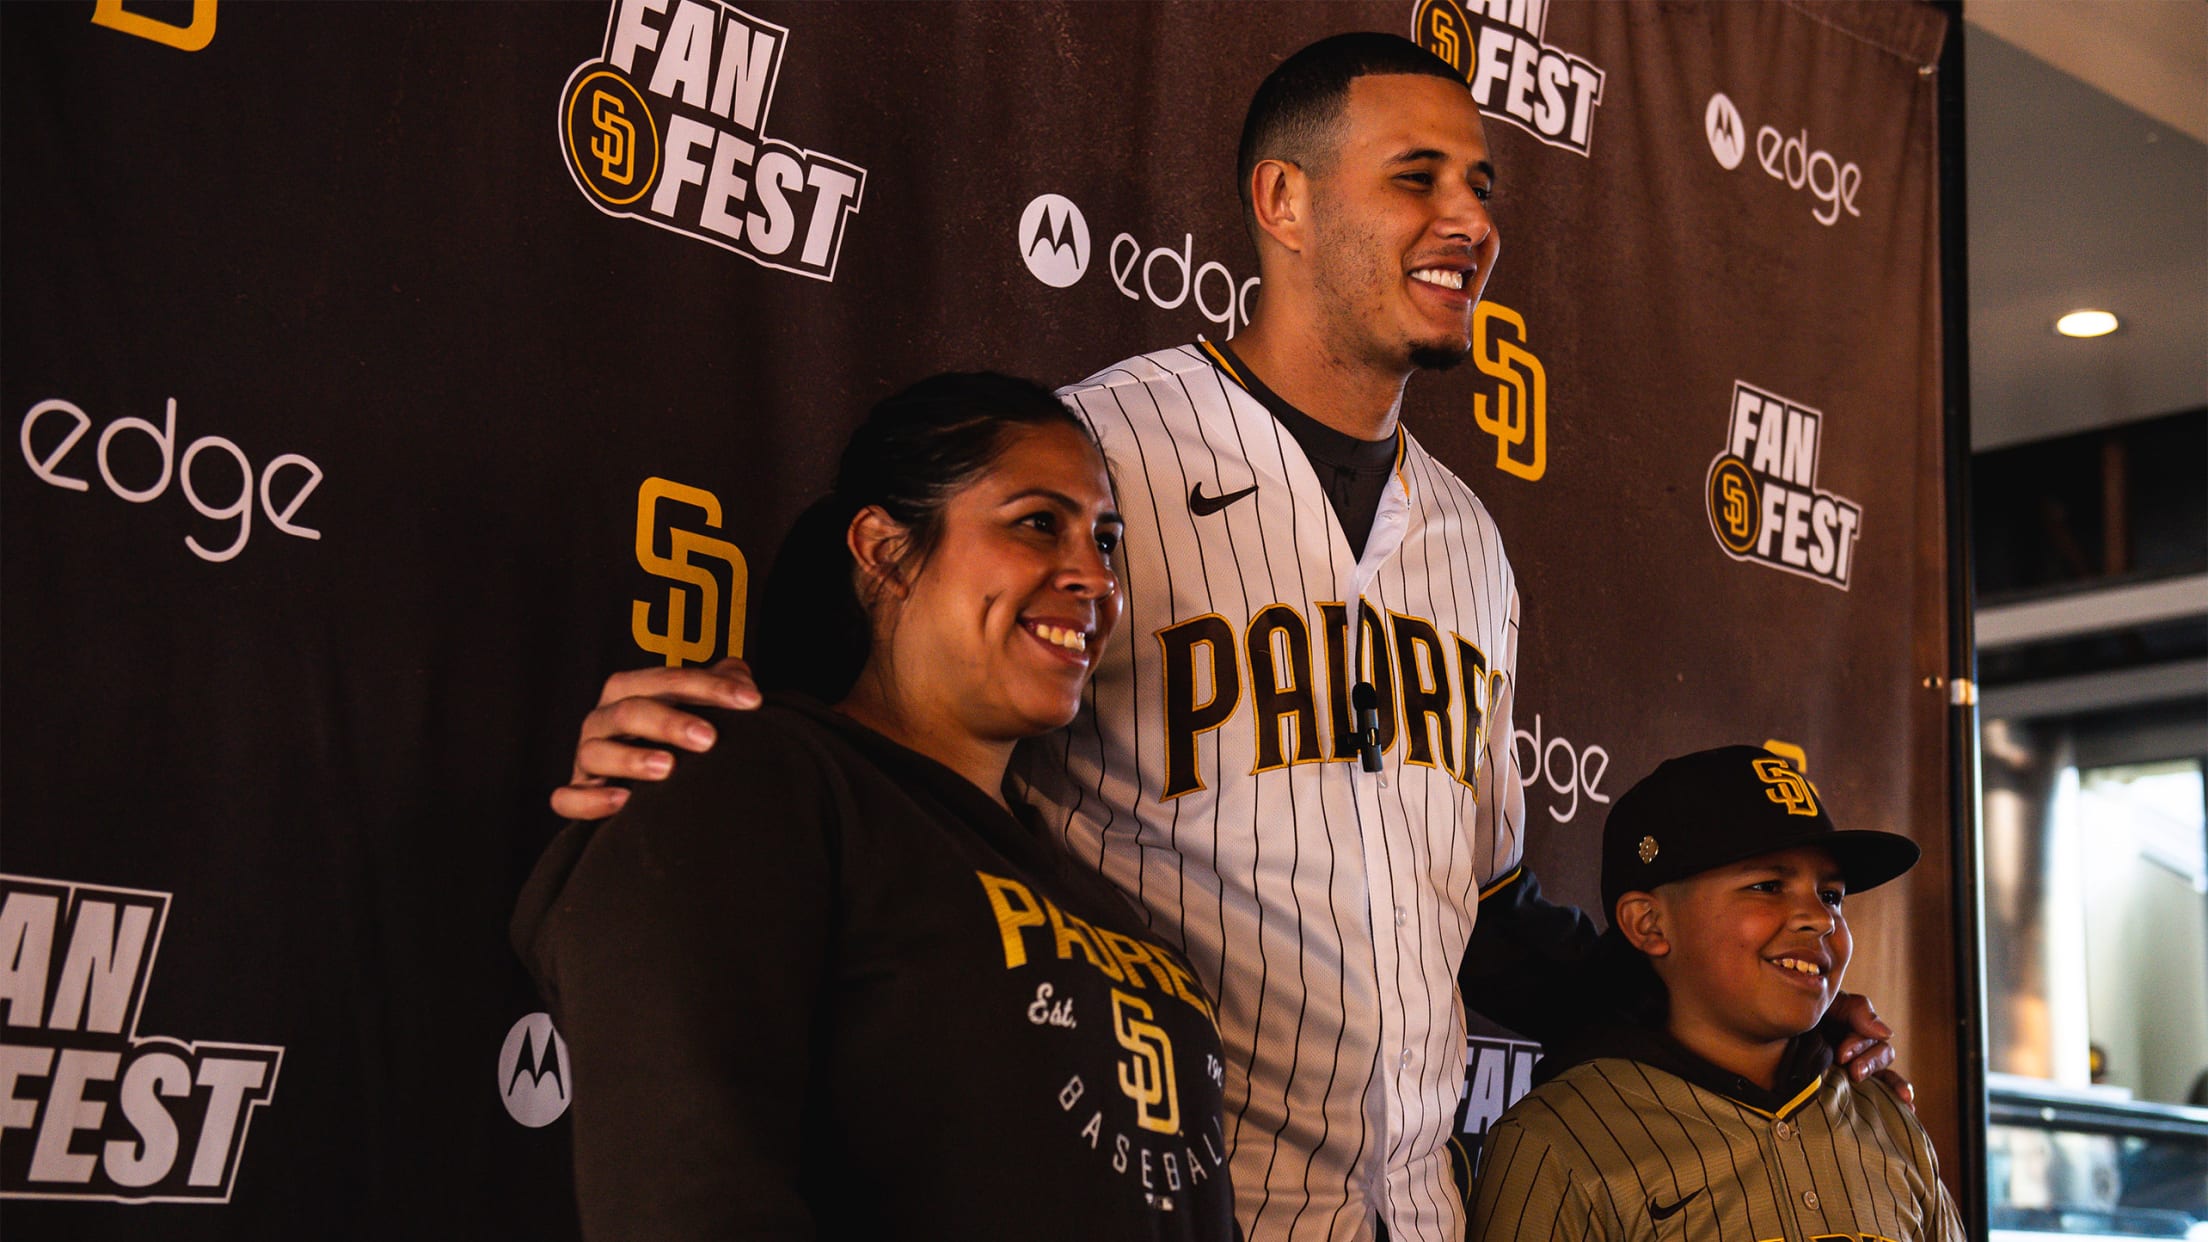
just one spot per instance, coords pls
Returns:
(786, 739)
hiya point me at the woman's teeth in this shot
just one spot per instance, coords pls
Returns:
(1071, 640)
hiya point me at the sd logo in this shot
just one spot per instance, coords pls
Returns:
(1521, 399)
(607, 115)
(1146, 1076)
(678, 643)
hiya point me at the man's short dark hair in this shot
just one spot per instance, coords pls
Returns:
(1292, 116)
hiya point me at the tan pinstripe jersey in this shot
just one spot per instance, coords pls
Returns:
(1616, 1149)
(1212, 777)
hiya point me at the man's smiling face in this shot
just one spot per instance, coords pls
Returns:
(1401, 241)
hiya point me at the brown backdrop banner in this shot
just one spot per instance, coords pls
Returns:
(383, 376)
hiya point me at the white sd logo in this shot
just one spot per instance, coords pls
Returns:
(1054, 239)
(1728, 134)
(532, 1072)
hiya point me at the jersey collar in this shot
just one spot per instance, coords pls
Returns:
(1801, 1070)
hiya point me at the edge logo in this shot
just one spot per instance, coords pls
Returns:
(1054, 242)
(90, 1109)
(1054, 239)
(675, 643)
(1762, 497)
(1790, 160)
(687, 150)
(1515, 75)
(1583, 768)
(532, 1072)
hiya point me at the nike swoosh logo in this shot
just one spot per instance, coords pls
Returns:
(1204, 506)
(1656, 1213)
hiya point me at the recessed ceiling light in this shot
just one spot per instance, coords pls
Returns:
(2086, 323)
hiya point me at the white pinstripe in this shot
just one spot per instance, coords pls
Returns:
(1284, 886)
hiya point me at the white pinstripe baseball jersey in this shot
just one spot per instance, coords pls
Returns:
(1213, 777)
(1617, 1149)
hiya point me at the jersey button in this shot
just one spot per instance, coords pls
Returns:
(1402, 916)
(1809, 1199)
(1783, 1131)
(1406, 1058)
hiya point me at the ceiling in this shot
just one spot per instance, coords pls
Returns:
(2086, 139)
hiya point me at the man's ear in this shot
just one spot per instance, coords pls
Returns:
(878, 543)
(1280, 198)
(1641, 920)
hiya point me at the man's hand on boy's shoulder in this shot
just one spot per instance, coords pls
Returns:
(1864, 1044)
(639, 711)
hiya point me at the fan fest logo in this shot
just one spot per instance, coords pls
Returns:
(668, 127)
(1514, 74)
(1497, 1074)
(1764, 503)
(90, 1109)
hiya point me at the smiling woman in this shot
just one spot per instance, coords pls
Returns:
(825, 981)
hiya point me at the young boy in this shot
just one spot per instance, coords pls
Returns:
(1711, 1109)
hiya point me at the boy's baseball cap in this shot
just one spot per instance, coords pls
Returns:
(1727, 805)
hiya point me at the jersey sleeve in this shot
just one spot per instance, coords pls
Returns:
(1502, 797)
(682, 952)
(1531, 964)
(1530, 1189)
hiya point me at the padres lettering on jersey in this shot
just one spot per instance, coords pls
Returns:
(1213, 777)
(1615, 1149)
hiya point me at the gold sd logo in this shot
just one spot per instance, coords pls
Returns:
(1736, 511)
(1146, 1075)
(676, 642)
(190, 37)
(1787, 788)
(612, 140)
(1521, 399)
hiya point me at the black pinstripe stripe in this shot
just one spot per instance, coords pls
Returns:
(1257, 838)
(1096, 724)
(1460, 552)
(1732, 1156)
(1878, 1189)
(1295, 811)
(1678, 1189)
(1436, 512)
(1414, 531)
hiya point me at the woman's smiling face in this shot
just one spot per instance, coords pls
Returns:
(998, 630)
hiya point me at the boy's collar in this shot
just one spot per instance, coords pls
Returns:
(1801, 1069)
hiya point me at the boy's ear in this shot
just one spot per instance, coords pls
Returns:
(1640, 919)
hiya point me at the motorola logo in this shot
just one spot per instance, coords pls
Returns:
(1728, 135)
(1054, 239)
(532, 1072)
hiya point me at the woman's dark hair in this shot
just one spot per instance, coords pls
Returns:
(917, 448)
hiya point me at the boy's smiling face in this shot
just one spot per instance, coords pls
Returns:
(1752, 953)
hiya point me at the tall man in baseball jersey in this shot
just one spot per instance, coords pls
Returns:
(1301, 764)
(1712, 1111)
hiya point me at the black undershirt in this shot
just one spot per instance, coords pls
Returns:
(1354, 472)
